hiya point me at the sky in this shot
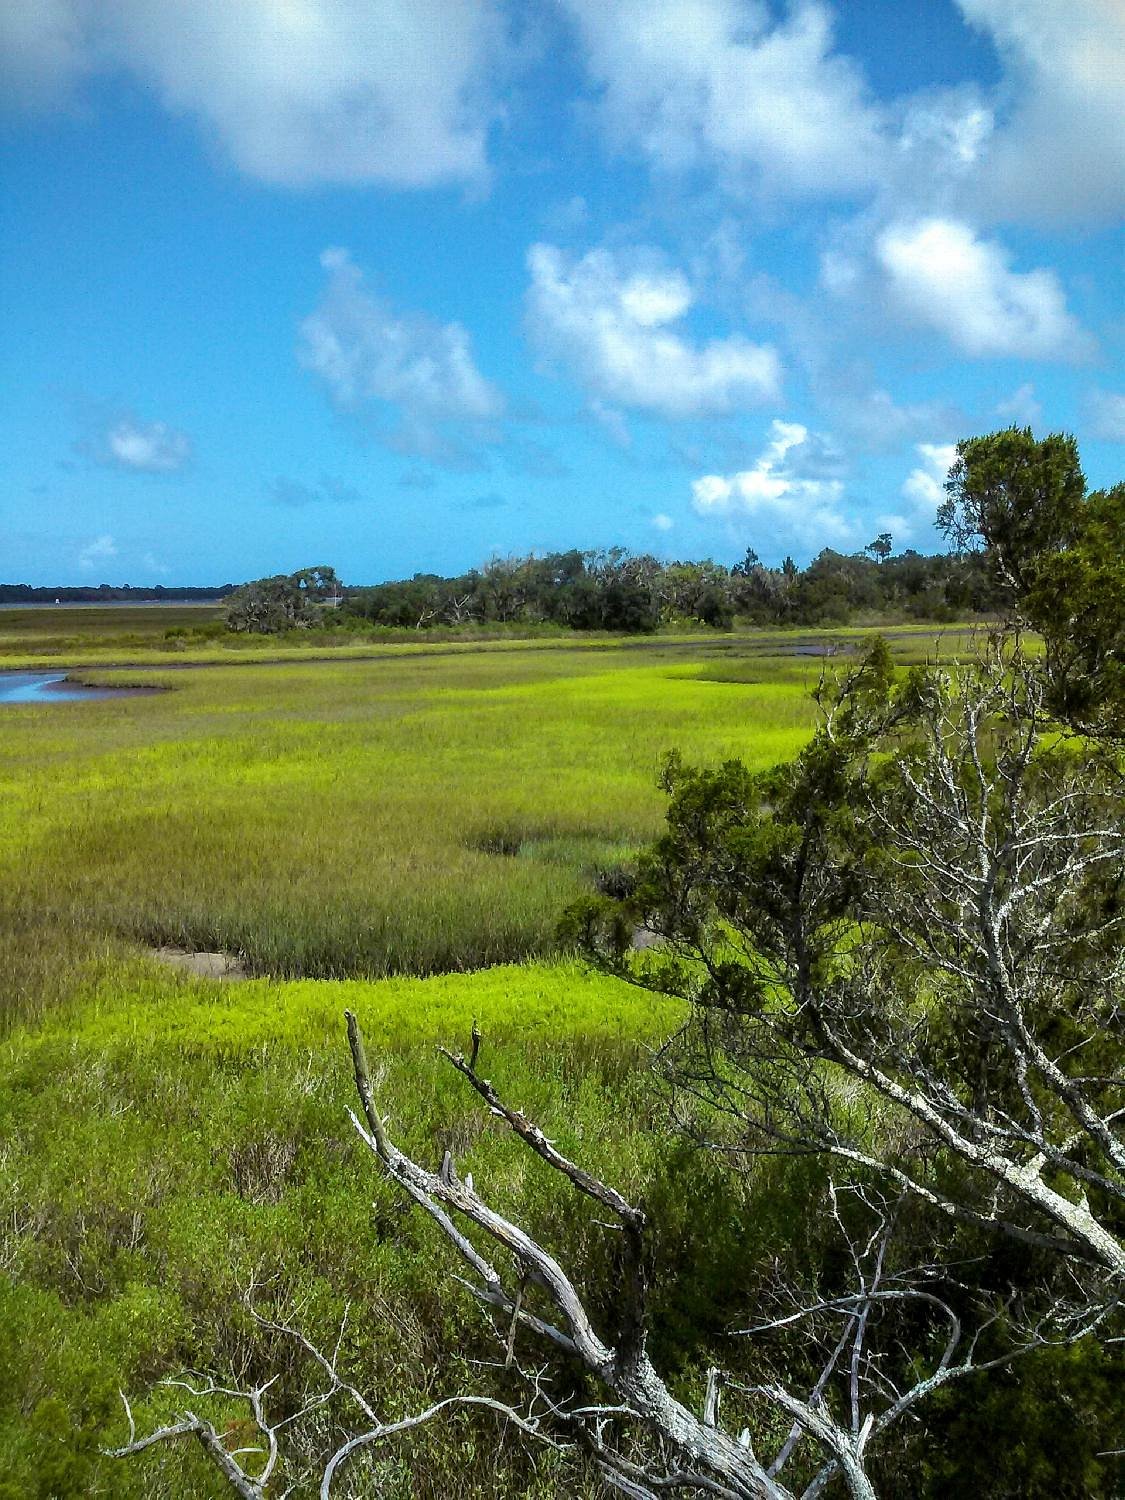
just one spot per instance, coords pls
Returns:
(402, 285)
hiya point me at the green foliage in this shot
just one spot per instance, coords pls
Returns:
(1075, 597)
(1058, 1409)
(813, 915)
(283, 602)
(1017, 497)
(1060, 556)
(617, 592)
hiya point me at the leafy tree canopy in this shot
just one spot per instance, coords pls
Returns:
(1059, 555)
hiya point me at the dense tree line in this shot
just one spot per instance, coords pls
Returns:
(616, 590)
(106, 593)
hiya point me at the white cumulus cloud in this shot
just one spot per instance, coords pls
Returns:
(1058, 152)
(924, 487)
(942, 275)
(145, 447)
(785, 491)
(608, 321)
(761, 94)
(721, 83)
(295, 91)
(372, 358)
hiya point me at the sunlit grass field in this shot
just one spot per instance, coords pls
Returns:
(408, 816)
(346, 828)
(185, 633)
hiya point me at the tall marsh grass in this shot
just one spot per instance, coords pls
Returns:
(162, 1139)
(166, 1139)
(412, 816)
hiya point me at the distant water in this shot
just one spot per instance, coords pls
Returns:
(53, 687)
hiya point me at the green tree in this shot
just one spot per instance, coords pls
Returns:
(1059, 556)
(1075, 598)
(286, 601)
(1016, 497)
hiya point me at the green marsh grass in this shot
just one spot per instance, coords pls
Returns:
(165, 1138)
(196, 633)
(342, 819)
(348, 828)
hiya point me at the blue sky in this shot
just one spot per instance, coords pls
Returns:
(397, 287)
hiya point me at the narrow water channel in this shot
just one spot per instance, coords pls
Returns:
(54, 687)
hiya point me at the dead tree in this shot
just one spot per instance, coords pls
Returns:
(903, 953)
(643, 1440)
(459, 608)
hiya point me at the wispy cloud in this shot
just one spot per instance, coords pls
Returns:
(923, 490)
(144, 447)
(100, 550)
(326, 491)
(1021, 407)
(1058, 153)
(1107, 415)
(352, 91)
(769, 102)
(377, 362)
(45, 48)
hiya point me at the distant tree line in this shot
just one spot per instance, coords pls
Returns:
(616, 590)
(106, 593)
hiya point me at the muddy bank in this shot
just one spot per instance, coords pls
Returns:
(201, 964)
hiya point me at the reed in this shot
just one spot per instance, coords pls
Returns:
(348, 828)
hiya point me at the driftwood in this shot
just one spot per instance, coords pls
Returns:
(995, 878)
(644, 1441)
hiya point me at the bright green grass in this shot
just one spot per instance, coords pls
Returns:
(163, 1138)
(341, 819)
(171, 1137)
